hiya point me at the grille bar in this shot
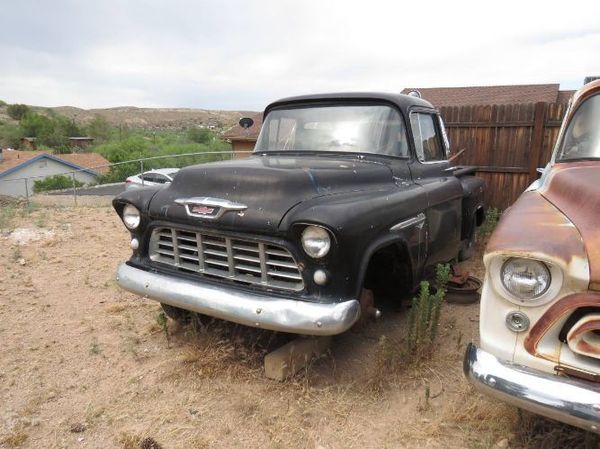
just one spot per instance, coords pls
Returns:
(242, 261)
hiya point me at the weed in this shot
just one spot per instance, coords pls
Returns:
(161, 319)
(459, 340)
(425, 405)
(41, 221)
(16, 253)
(27, 209)
(95, 348)
(150, 443)
(131, 345)
(7, 213)
(424, 317)
(492, 216)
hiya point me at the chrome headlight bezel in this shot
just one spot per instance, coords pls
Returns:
(131, 217)
(316, 241)
(496, 270)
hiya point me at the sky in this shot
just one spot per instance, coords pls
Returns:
(240, 55)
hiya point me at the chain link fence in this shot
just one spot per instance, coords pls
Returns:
(91, 179)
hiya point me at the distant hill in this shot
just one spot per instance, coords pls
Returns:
(147, 118)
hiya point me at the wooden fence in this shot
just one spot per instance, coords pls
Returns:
(507, 143)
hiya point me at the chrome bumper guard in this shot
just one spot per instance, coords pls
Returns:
(572, 401)
(248, 308)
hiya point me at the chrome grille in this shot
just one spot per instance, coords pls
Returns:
(242, 261)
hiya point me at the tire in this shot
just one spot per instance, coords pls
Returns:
(182, 316)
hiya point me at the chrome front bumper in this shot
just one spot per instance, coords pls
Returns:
(251, 309)
(572, 401)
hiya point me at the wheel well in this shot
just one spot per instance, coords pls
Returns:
(479, 216)
(389, 272)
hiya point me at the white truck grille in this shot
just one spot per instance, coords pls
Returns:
(242, 261)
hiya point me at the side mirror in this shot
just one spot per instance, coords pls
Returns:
(540, 170)
(246, 122)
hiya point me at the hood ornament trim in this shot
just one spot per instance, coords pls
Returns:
(209, 208)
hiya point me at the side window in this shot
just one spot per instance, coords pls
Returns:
(148, 177)
(427, 139)
(161, 179)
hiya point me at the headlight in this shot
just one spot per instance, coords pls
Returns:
(131, 217)
(316, 241)
(525, 278)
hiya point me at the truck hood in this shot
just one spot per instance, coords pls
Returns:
(573, 188)
(268, 185)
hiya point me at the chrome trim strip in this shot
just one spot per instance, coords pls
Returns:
(223, 205)
(248, 308)
(416, 220)
(572, 401)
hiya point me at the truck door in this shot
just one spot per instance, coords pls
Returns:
(443, 191)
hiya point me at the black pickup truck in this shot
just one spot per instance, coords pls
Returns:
(344, 193)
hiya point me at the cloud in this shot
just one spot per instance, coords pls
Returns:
(241, 55)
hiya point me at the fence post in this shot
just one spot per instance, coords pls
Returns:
(74, 188)
(142, 171)
(537, 140)
(26, 191)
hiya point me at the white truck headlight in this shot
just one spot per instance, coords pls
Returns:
(316, 241)
(526, 279)
(131, 217)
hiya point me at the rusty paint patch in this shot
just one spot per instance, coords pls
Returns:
(558, 310)
(534, 226)
(574, 189)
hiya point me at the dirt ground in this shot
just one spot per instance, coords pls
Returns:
(85, 364)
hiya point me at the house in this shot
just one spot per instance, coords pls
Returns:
(19, 169)
(243, 140)
(80, 142)
(28, 143)
(488, 95)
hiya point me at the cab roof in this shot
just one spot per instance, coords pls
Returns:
(402, 101)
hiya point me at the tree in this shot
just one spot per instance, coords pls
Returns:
(99, 129)
(200, 135)
(17, 111)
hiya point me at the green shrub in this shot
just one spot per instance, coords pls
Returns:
(53, 131)
(10, 136)
(200, 135)
(57, 182)
(492, 216)
(424, 315)
(17, 111)
(99, 129)
(140, 146)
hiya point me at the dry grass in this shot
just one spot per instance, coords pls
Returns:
(129, 440)
(14, 439)
(535, 432)
(116, 308)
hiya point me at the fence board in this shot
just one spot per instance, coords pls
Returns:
(504, 143)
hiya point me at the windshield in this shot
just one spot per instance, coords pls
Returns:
(582, 138)
(362, 129)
